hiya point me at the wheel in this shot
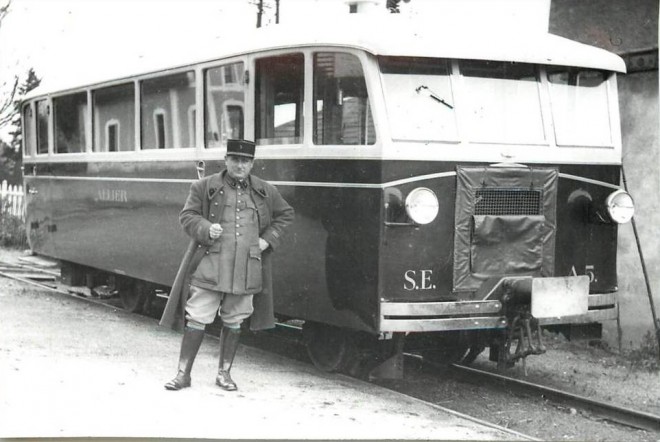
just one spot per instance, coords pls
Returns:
(475, 350)
(133, 295)
(328, 347)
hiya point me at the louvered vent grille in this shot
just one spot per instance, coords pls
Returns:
(498, 201)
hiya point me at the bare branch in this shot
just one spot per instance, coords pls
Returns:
(4, 10)
(7, 105)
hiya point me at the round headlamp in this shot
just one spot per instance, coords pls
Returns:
(620, 206)
(422, 205)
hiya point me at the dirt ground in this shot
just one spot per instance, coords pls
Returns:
(631, 381)
(73, 368)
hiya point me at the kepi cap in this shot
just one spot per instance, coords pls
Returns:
(243, 148)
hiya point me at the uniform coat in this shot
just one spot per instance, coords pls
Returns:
(274, 215)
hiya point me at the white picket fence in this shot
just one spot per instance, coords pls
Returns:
(11, 200)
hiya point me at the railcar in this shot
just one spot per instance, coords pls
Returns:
(453, 191)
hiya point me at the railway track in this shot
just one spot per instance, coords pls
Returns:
(40, 273)
(599, 409)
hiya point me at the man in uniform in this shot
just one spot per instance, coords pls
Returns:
(235, 220)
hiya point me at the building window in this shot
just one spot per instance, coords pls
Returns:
(224, 103)
(159, 128)
(164, 108)
(112, 136)
(192, 126)
(279, 99)
(114, 106)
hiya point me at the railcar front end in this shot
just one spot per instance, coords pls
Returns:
(520, 234)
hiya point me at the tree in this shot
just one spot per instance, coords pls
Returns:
(8, 94)
(10, 156)
(393, 5)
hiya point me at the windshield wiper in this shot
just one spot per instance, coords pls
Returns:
(432, 94)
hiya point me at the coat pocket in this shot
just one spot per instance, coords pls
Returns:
(207, 270)
(254, 282)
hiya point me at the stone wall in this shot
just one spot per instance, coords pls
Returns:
(630, 29)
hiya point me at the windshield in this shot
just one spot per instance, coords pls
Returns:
(494, 102)
(501, 102)
(580, 108)
(410, 87)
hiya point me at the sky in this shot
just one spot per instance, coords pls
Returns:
(68, 39)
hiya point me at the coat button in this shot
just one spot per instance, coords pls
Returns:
(213, 214)
(206, 253)
(215, 204)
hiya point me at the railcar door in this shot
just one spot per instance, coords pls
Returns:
(38, 209)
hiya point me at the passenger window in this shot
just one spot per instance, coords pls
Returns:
(342, 114)
(70, 117)
(28, 131)
(114, 107)
(279, 99)
(164, 111)
(43, 116)
(225, 99)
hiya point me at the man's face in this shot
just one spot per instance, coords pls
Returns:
(238, 167)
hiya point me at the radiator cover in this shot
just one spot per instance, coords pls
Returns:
(505, 223)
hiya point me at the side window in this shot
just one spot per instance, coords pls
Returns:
(28, 130)
(279, 99)
(225, 99)
(43, 117)
(70, 112)
(342, 114)
(114, 107)
(164, 111)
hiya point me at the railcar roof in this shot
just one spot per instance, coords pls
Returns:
(384, 34)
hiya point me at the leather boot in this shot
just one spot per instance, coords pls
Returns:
(228, 345)
(192, 339)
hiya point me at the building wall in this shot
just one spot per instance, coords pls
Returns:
(630, 29)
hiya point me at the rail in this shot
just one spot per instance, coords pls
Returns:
(604, 410)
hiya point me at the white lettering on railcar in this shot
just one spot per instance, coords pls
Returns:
(113, 195)
(418, 280)
(589, 270)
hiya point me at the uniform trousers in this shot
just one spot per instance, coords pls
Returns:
(203, 304)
